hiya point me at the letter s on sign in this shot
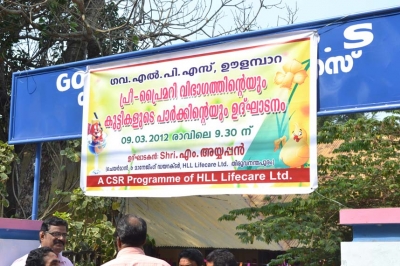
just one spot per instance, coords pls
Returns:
(359, 32)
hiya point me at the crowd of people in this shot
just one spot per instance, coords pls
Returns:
(131, 236)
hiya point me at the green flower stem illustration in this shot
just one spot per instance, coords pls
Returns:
(280, 129)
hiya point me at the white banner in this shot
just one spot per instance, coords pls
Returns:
(233, 118)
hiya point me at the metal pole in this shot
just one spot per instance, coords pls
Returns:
(36, 181)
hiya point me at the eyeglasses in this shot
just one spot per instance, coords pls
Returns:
(58, 234)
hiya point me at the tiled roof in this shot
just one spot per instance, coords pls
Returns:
(327, 149)
(193, 221)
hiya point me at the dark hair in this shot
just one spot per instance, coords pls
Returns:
(55, 221)
(36, 256)
(132, 230)
(192, 254)
(221, 257)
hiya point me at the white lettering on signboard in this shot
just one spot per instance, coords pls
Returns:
(76, 82)
(360, 36)
(356, 32)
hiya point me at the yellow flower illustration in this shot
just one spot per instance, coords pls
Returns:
(293, 72)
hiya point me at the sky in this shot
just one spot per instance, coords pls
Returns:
(308, 10)
(311, 10)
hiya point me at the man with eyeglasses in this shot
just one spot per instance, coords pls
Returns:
(53, 234)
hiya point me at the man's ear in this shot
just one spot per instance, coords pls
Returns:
(41, 236)
(119, 244)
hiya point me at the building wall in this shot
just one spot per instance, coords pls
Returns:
(370, 253)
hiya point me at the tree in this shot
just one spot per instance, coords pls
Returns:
(363, 173)
(36, 34)
(6, 158)
(91, 224)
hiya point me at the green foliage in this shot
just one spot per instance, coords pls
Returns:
(364, 173)
(91, 224)
(72, 150)
(7, 156)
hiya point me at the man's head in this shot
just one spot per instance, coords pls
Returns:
(191, 257)
(43, 256)
(220, 257)
(53, 234)
(131, 231)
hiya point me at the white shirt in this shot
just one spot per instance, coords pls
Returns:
(22, 261)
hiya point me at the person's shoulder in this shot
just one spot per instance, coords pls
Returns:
(108, 263)
(158, 261)
(66, 261)
(20, 261)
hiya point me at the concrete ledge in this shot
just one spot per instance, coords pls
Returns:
(370, 216)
